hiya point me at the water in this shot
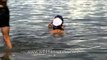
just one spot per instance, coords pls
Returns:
(85, 30)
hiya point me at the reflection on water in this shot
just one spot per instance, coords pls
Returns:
(87, 9)
(85, 30)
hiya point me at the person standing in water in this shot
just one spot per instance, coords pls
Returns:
(4, 23)
(57, 26)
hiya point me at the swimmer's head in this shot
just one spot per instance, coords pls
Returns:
(57, 21)
(59, 16)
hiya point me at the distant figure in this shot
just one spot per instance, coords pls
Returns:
(57, 26)
(4, 23)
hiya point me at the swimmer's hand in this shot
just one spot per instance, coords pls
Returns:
(50, 26)
(62, 26)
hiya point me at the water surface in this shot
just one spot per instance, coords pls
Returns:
(85, 30)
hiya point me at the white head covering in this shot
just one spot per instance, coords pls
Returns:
(57, 22)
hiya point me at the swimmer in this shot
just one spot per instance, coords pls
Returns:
(57, 26)
(4, 23)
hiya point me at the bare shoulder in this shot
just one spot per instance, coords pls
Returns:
(57, 32)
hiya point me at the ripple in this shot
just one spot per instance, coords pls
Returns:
(85, 29)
